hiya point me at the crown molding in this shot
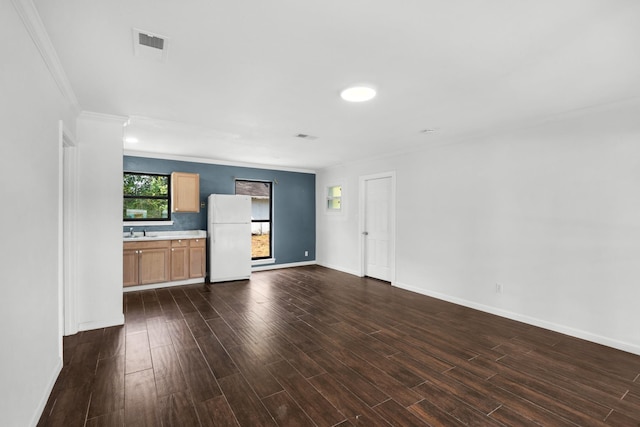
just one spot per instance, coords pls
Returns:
(92, 115)
(32, 22)
(206, 160)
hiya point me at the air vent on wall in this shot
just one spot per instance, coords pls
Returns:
(149, 45)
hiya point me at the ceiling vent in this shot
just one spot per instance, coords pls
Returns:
(150, 45)
(305, 136)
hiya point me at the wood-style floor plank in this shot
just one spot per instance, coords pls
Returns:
(137, 354)
(285, 411)
(141, 402)
(314, 346)
(245, 404)
(113, 419)
(167, 371)
(319, 409)
(108, 388)
(216, 412)
(356, 411)
(177, 409)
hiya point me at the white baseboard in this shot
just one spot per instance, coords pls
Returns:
(105, 323)
(47, 392)
(163, 284)
(563, 329)
(277, 266)
(337, 267)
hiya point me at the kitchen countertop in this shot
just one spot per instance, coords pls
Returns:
(164, 235)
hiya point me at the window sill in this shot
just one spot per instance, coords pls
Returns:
(146, 223)
(263, 261)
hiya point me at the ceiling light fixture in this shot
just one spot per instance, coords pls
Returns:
(306, 136)
(358, 93)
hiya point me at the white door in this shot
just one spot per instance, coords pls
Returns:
(378, 227)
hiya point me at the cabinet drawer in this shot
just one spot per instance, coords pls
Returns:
(198, 243)
(180, 243)
(152, 244)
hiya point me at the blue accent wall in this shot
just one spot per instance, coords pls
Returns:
(294, 202)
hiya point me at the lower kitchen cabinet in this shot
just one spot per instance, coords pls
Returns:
(130, 267)
(197, 258)
(179, 259)
(159, 261)
(154, 265)
(146, 262)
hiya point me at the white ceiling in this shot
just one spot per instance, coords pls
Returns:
(244, 77)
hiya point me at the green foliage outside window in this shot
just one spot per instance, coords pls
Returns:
(146, 197)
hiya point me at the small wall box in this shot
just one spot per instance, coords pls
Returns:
(185, 192)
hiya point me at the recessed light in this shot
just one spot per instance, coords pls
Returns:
(131, 140)
(358, 93)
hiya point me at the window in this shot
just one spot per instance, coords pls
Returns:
(260, 192)
(146, 197)
(334, 198)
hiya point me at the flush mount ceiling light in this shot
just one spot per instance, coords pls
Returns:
(306, 136)
(358, 93)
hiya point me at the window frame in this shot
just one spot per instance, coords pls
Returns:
(132, 221)
(268, 221)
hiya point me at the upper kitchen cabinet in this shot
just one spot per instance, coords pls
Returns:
(185, 192)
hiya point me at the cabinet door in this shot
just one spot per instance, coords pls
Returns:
(185, 192)
(130, 267)
(179, 260)
(154, 265)
(197, 258)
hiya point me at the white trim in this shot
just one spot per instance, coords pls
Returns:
(263, 261)
(61, 237)
(99, 324)
(32, 22)
(163, 284)
(577, 333)
(68, 235)
(102, 117)
(212, 161)
(392, 220)
(46, 393)
(279, 266)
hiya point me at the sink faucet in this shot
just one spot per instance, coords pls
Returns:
(144, 232)
(131, 232)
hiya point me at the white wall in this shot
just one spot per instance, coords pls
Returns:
(551, 212)
(99, 226)
(31, 106)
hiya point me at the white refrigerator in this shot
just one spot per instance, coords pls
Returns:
(229, 233)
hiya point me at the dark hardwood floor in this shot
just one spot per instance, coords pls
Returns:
(312, 346)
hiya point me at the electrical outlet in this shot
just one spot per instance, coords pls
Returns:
(498, 288)
(306, 253)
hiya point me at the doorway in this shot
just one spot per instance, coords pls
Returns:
(377, 225)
